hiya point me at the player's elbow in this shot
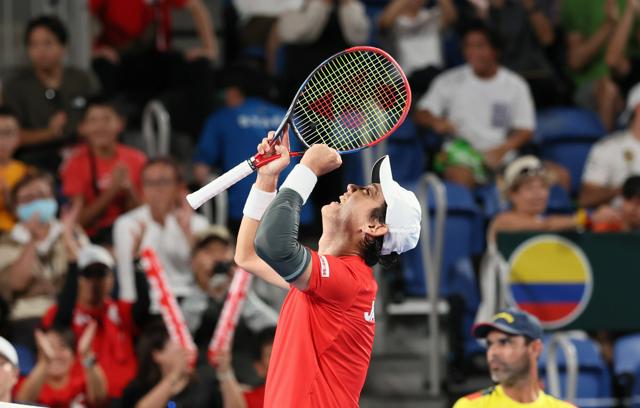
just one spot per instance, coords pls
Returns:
(270, 250)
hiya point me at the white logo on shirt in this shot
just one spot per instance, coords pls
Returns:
(371, 315)
(324, 267)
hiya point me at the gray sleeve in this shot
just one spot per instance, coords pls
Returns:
(277, 237)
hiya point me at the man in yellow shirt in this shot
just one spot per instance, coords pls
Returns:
(513, 347)
(11, 171)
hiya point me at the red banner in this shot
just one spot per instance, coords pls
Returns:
(171, 313)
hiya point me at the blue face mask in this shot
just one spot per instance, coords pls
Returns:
(45, 207)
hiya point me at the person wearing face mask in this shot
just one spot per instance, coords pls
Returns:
(33, 255)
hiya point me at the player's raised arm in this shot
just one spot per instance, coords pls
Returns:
(261, 195)
(277, 236)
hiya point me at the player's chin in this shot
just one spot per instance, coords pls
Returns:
(330, 208)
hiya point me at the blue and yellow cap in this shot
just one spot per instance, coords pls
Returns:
(510, 321)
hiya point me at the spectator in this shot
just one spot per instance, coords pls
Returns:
(514, 344)
(623, 57)
(47, 97)
(9, 370)
(165, 223)
(136, 34)
(481, 102)
(33, 256)
(11, 171)
(230, 133)
(59, 379)
(626, 217)
(527, 34)
(527, 182)
(164, 377)
(415, 35)
(85, 298)
(612, 160)
(212, 263)
(314, 32)
(235, 395)
(589, 25)
(102, 176)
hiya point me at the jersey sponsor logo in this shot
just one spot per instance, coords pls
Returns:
(370, 316)
(324, 267)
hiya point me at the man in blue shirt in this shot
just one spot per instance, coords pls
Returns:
(231, 135)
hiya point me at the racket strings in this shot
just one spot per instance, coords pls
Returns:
(351, 102)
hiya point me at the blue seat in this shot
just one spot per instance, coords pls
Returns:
(26, 359)
(559, 201)
(626, 354)
(565, 136)
(594, 379)
(462, 233)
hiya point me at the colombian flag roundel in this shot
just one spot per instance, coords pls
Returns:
(550, 278)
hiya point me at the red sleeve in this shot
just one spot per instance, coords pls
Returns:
(74, 178)
(179, 3)
(95, 5)
(333, 280)
(255, 397)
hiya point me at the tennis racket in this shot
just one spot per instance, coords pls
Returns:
(353, 100)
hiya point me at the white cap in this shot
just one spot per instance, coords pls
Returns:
(633, 99)
(524, 166)
(404, 213)
(8, 351)
(90, 254)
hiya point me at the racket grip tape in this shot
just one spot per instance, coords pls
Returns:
(218, 185)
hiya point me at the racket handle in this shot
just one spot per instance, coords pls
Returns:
(215, 187)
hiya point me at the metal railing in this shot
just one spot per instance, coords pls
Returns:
(432, 260)
(563, 341)
(156, 129)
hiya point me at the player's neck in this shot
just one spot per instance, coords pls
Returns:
(338, 244)
(524, 391)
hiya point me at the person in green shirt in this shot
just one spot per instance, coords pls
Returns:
(589, 26)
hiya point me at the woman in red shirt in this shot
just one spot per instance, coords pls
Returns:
(61, 378)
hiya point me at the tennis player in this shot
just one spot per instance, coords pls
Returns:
(325, 331)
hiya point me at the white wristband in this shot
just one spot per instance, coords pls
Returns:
(257, 203)
(302, 180)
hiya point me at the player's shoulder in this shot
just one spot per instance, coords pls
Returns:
(475, 399)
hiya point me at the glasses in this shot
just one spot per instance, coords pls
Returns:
(161, 182)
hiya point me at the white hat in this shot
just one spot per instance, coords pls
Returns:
(403, 210)
(8, 351)
(522, 167)
(633, 99)
(90, 254)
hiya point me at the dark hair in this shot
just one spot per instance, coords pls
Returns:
(153, 338)
(263, 338)
(372, 246)
(7, 111)
(65, 333)
(249, 77)
(51, 23)
(479, 26)
(31, 176)
(100, 101)
(208, 240)
(165, 161)
(631, 187)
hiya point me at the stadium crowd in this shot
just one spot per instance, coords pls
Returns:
(80, 324)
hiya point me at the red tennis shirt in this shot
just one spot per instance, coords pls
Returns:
(324, 338)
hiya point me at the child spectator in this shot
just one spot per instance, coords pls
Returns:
(11, 171)
(103, 176)
(9, 370)
(235, 395)
(60, 378)
(47, 97)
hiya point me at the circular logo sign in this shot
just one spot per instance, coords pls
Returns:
(550, 278)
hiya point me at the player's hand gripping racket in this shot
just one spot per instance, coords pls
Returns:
(353, 100)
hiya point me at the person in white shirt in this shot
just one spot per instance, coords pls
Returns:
(414, 35)
(164, 223)
(612, 160)
(481, 102)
